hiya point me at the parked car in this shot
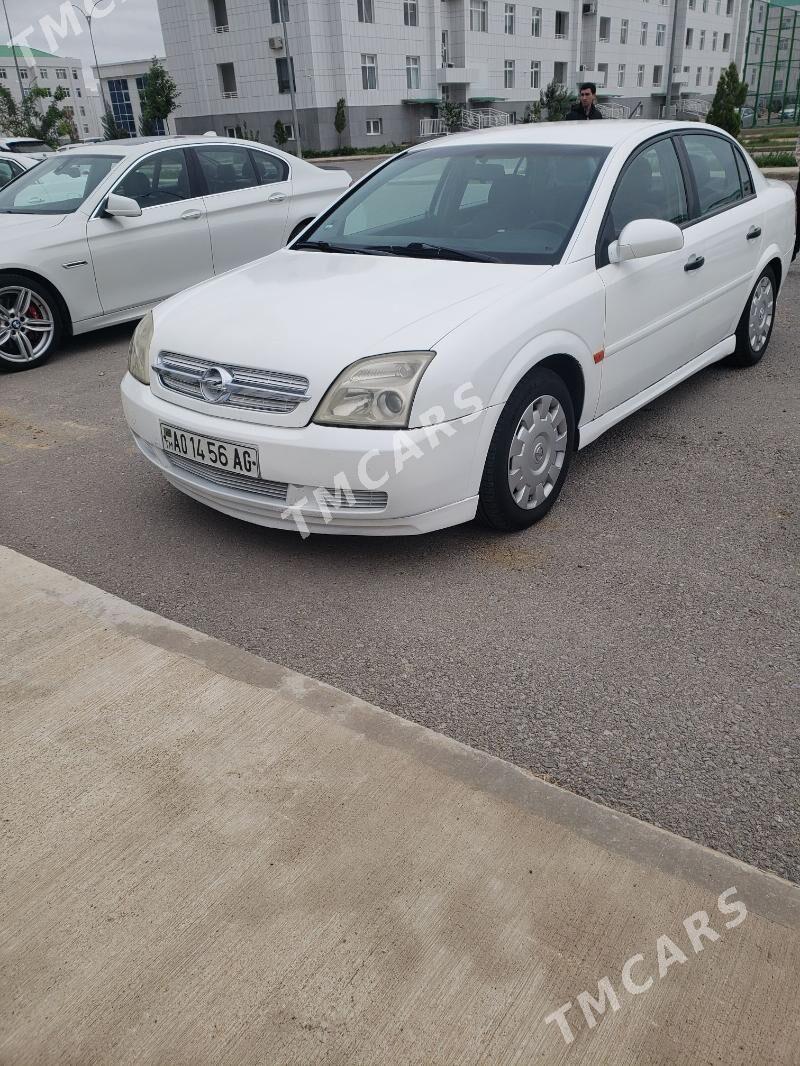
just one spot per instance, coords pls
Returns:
(443, 338)
(98, 235)
(25, 146)
(11, 166)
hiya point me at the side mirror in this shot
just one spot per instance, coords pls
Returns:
(121, 207)
(645, 237)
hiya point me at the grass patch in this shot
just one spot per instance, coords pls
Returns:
(381, 149)
(776, 159)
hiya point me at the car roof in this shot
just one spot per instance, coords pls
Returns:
(135, 146)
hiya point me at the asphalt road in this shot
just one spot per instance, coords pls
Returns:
(638, 647)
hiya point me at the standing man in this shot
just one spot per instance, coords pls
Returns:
(586, 106)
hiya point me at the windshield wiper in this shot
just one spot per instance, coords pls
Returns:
(345, 249)
(421, 250)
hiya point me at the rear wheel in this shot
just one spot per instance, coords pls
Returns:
(30, 323)
(530, 453)
(755, 326)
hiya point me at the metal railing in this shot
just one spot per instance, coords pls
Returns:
(470, 118)
(614, 110)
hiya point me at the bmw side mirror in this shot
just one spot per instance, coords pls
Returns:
(121, 207)
(645, 237)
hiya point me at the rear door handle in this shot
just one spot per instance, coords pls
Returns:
(188, 215)
(753, 232)
(694, 262)
(276, 198)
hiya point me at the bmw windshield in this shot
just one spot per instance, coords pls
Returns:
(513, 203)
(56, 186)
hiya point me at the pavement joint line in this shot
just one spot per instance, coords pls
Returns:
(648, 845)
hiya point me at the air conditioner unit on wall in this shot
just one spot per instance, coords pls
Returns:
(590, 9)
(276, 43)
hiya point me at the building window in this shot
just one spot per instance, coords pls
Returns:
(658, 74)
(445, 48)
(602, 75)
(410, 13)
(605, 29)
(508, 74)
(227, 81)
(412, 72)
(85, 129)
(276, 9)
(640, 75)
(726, 42)
(508, 22)
(479, 16)
(282, 70)
(78, 92)
(560, 73)
(710, 75)
(23, 73)
(3, 74)
(702, 43)
(621, 75)
(536, 74)
(366, 11)
(705, 7)
(692, 5)
(74, 74)
(718, 6)
(158, 124)
(623, 31)
(689, 37)
(61, 72)
(714, 41)
(536, 22)
(369, 71)
(43, 73)
(374, 127)
(219, 15)
(661, 34)
(289, 131)
(729, 9)
(121, 104)
(562, 25)
(643, 35)
(698, 76)
(82, 111)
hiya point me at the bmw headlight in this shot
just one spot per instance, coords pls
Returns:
(374, 393)
(139, 350)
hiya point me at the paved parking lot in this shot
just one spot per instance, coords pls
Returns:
(638, 647)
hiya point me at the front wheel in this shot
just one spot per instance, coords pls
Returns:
(30, 323)
(755, 326)
(530, 453)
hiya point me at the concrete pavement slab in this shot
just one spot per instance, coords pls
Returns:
(208, 858)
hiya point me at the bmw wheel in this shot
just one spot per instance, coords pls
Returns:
(755, 326)
(530, 453)
(30, 323)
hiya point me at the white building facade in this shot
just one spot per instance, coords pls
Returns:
(50, 72)
(394, 61)
(122, 85)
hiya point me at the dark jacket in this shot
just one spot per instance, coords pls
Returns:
(577, 112)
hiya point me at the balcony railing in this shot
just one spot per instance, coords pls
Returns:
(230, 95)
(220, 29)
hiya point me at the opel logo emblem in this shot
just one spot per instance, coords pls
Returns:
(215, 384)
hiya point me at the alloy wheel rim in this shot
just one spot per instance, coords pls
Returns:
(762, 307)
(27, 326)
(537, 453)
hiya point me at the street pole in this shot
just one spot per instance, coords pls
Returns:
(297, 146)
(88, 18)
(14, 52)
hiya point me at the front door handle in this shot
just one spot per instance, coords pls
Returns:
(188, 215)
(753, 232)
(276, 198)
(694, 262)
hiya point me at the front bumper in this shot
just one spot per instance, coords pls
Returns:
(414, 481)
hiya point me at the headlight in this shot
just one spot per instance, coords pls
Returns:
(374, 393)
(139, 350)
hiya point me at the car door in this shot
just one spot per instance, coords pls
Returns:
(166, 249)
(725, 231)
(247, 201)
(653, 305)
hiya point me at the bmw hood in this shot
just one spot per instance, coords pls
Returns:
(314, 313)
(16, 226)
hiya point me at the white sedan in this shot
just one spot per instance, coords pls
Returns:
(12, 165)
(440, 342)
(98, 235)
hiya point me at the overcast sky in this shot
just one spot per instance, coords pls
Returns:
(130, 30)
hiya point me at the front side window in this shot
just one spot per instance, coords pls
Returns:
(57, 186)
(510, 204)
(651, 187)
(226, 168)
(716, 175)
(369, 71)
(160, 179)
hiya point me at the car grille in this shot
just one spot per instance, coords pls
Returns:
(357, 499)
(236, 386)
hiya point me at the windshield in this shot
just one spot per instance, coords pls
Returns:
(57, 186)
(495, 203)
(23, 147)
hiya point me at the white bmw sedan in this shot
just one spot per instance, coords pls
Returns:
(98, 235)
(440, 341)
(12, 165)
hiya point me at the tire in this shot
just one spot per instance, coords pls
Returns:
(751, 344)
(31, 326)
(521, 482)
(298, 229)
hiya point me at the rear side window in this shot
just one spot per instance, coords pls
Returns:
(269, 169)
(744, 175)
(226, 169)
(716, 174)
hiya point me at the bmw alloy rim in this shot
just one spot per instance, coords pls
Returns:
(27, 327)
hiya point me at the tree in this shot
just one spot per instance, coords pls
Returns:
(557, 101)
(730, 96)
(159, 98)
(32, 118)
(533, 112)
(340, 119)
(452, 115)
(280, 135)
(111, 130)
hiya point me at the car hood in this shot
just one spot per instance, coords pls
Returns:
(314, 313)
(12, 226)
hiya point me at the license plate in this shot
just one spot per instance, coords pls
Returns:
(219, 454)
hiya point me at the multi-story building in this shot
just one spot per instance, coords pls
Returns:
(50, 72)
(769, 58)
(122, 85)
(394, 61)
